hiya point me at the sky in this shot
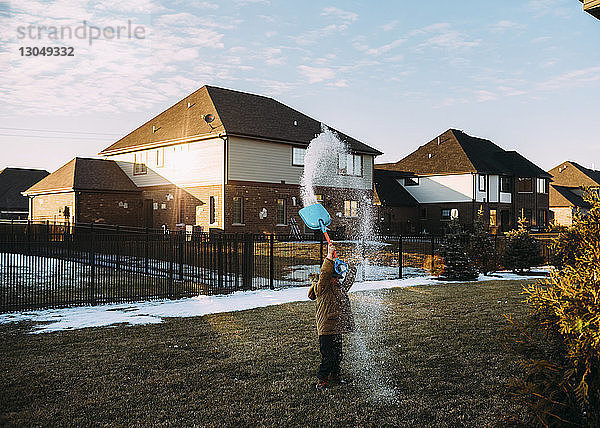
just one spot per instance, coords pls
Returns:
(393, 74)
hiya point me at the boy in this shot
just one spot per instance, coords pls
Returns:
(334, 317)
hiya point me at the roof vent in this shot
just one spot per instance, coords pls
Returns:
(154, 129)
(295, 123)
(190, 104)
(430, 155)
(438, 141)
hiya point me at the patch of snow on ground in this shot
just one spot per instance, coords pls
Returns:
(153, 312)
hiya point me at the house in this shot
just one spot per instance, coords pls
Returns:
(455, 175)
(232, 161)
(86, 190)
(569, 181)
(13, 181)
(396, 209)
(592, 7)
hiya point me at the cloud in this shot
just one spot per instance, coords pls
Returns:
(389, 26)
(340, 14)
(441, 35)
(316, 74)
(504, 25)
(573, 78)
(385, 48)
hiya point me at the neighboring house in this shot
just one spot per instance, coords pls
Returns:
(13, 181)
(454, 175)
(232, 161)
(592, 7)
(569, 179)
(396, 209)
(86, 191)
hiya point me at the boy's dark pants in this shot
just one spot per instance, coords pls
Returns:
(331, 355)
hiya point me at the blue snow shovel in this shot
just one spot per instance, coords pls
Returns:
(316, 217)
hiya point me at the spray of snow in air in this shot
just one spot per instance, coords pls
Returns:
(320, 164)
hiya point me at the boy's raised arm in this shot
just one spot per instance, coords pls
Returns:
(326, 271)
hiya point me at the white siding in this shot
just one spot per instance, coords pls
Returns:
(267, 162)
(192, 164)
(442, 188)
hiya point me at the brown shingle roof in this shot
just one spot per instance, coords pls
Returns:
(563, 196)
(455, 152)
(85, 174)
(389, 192)
(13, 181)
(572, 174)
(236, 113)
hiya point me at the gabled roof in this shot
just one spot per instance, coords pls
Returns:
(563, 196)
(454, 152)
(13, 181)
(85, 174)
(573, 174)
(389, 192)
(236, 113)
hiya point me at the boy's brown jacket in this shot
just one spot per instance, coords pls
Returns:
(334, 315)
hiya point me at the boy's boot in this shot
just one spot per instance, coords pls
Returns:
(322, 385)
(335, 378)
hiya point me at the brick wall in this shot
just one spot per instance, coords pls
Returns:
(51, 207)
(123, 209)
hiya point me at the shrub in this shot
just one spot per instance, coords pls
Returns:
(562, 381)
(458, 265)
(482, 246)
(522, 251)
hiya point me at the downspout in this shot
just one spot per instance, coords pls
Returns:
(225, 139)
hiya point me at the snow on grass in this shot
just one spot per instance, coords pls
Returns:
(152, 312)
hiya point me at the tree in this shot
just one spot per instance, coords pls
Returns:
(458, 265)
(482, 246)
(562, 383)
(522, 251)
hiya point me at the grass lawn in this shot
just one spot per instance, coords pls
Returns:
(422, 356)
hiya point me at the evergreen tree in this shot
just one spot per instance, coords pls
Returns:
(482, 248)
(562, 383)
(522, 251)
(458, 265)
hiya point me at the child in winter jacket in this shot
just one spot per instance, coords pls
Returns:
(334, 317)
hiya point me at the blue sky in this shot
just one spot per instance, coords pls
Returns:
(394, 74)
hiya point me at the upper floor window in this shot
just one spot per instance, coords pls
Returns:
(505, 184)
(525, 185)
(160, 157)
(482, 183)
(542, 185)
(139, 163)
(411, 181)
(298, 154)
(349, 164)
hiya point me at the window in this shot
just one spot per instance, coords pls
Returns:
(505, 184)
(542, 185)
(482, 183)
(350, 208)
(181, 211)
(212, 210)
(319, 199)
(139, 163)
(423, 213)
(238, 210)
(493, 218)
(349, 164)
(298, 156)
(281, 212)
(160, 158)
(525, 185)
(449, 214)
(445, 214)
(411, 181)
(526, 214)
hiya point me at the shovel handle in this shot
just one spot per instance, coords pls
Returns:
(329, 242)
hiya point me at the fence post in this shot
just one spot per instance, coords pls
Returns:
(432, 253)
(170, 291)
(181, 247)
(271, 261)
(92, 296)
(146, 252)
(400, 261)
(117, 250)
(220, 273)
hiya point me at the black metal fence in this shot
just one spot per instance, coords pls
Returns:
(56, 265)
